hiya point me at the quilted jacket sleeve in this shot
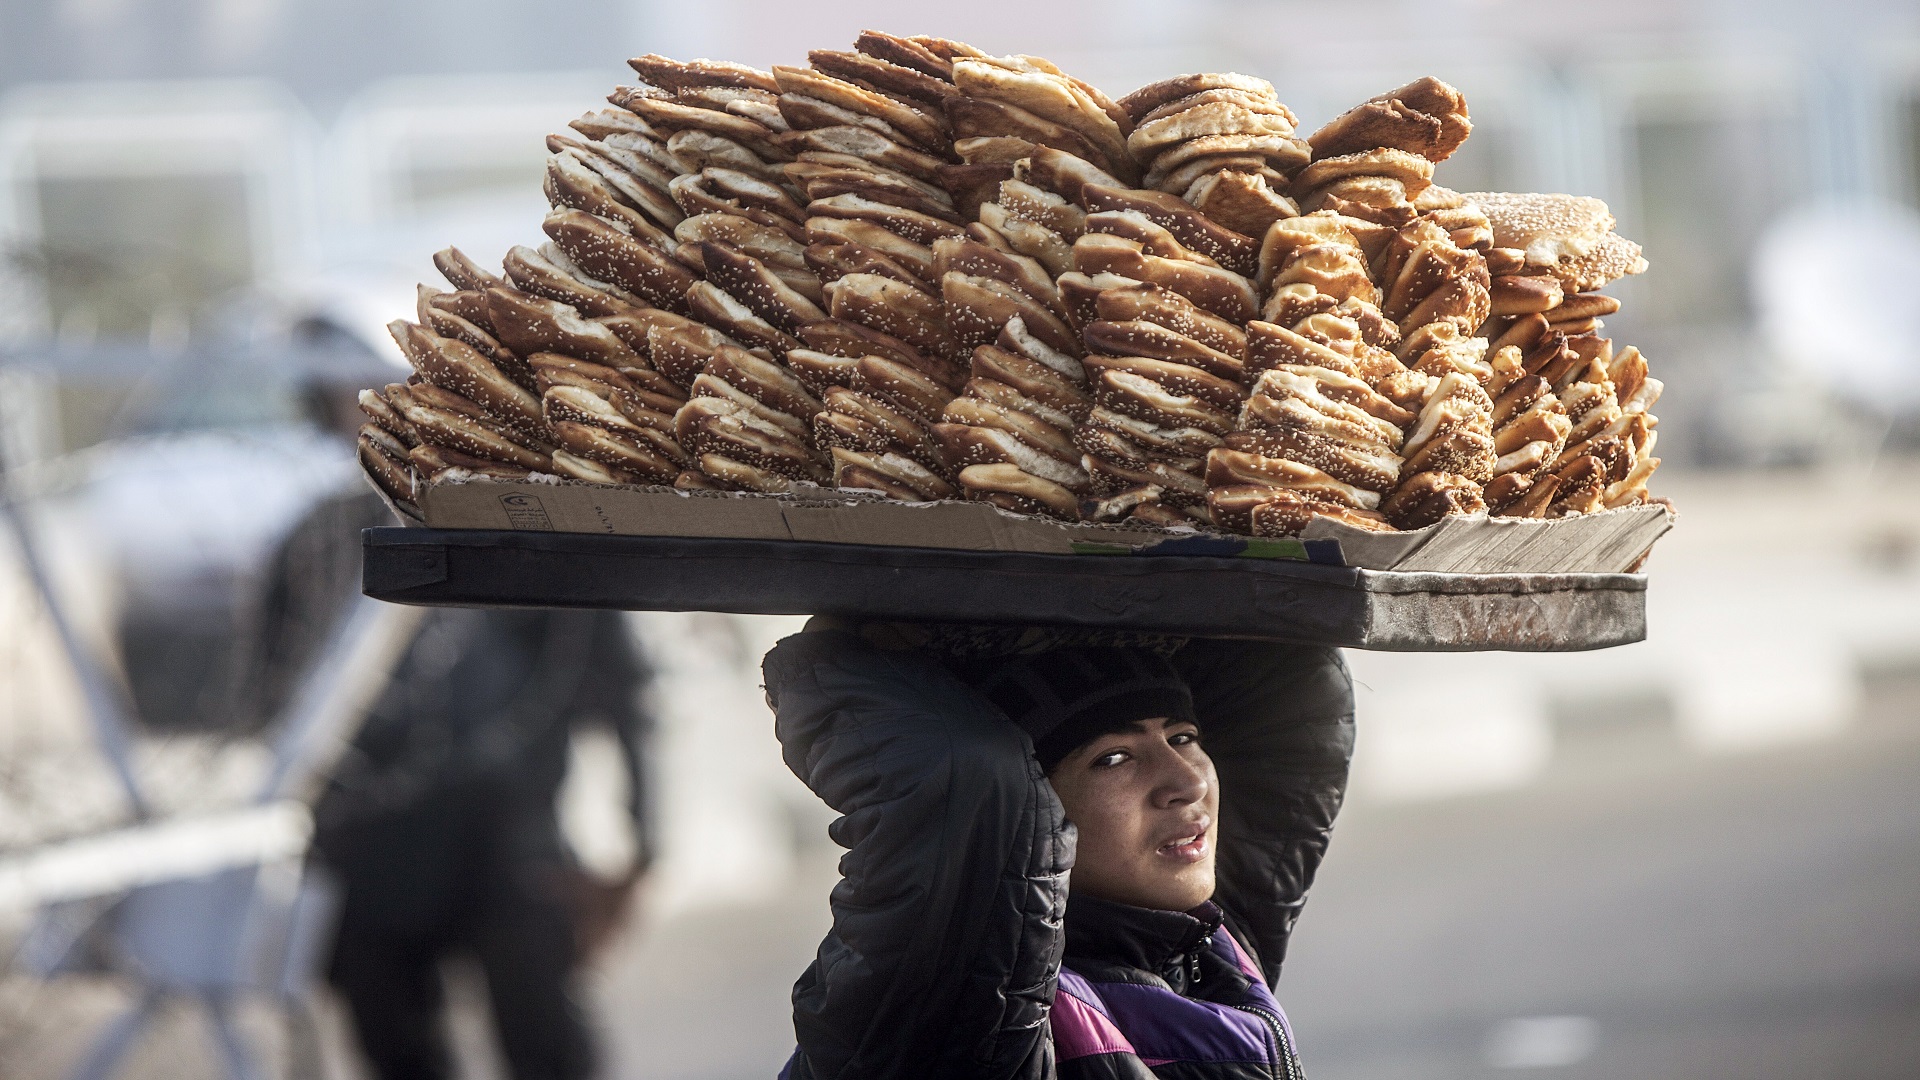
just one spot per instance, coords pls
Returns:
(946, 940)
(1278, 723)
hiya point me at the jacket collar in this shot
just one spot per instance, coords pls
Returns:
(1152, 941)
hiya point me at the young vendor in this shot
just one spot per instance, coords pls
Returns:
(1189, 788)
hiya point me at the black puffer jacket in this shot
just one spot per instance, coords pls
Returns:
(945, 951)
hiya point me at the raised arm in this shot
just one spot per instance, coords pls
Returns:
(946, 938)
(1278, 722)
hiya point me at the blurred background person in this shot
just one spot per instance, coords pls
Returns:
(441, 821)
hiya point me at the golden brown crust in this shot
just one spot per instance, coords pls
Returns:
(1153, 95)
(1425, 117)
(1005, 486)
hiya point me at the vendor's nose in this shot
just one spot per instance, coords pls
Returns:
(1180, 781)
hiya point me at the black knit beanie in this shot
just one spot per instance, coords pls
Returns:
(1065, 697)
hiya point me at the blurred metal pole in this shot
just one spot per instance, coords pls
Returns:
(107, 705)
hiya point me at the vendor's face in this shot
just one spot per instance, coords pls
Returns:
(1146, 802)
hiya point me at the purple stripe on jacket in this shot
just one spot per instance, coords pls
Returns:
(1160, 1026)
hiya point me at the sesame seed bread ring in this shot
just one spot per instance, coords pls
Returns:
(904, 84)
(1253, 102)
(835, 258)
(673, 116)
(1143, 398)
(638, 404)
(385, 460)
(461, 272)
(1046, 387)
(529, 324)
(1514, 295)
(911, 225)
(1006, 486)
(767, 382)
(903, 386)
(574, 467)
(778, 424)
(446, 427)
(1063, 173)
(1166, 443)
(1175, 377)
(977, 308)
(1613, 258)
(748, 280)
(614, 449)
(570, 184)
(1140, 337)
(677, 75)
(387, 418)
(974, 118)
(823, 175)
(440, 463)
(550, 274)
(1029, 238)
(1051, 97)
(1232, 467)
(634, 178)
(1033, 432)
(921, 127)
(1153, 238)
(894, 309)
(729, 429)
(1460, 452)
(997, 150)
(720, 309)
(1200, 121)
(772, 246)
(439, 312)
(1150, 97)
(1178, 487)
(692, 150)
(1362, 464)
(1425, 117)
(893, 475)
(604, 123)
(915, 258)
(965, 445)
(1214, 289)
(1193, 229)
(1271, 156)
(866, 144)
(1413, 172)
(1143, 301)
(456, 366)
(1106, 450)
(719, 190)
(1286, 513)
(965, 255)
(906, 52)
(609, 255)
(841, 337)
(973, 183)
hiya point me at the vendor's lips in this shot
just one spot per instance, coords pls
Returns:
(1190, 845)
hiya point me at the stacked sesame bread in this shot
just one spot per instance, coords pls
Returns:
(916, 271)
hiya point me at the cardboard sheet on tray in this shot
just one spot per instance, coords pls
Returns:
(1609, 542)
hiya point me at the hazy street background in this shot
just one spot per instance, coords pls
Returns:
(1695, 857)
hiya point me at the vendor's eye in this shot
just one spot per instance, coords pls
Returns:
(1183, 738)
(1109, 759)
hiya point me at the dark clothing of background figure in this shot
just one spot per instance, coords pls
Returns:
(950, 922)
(440, 821)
